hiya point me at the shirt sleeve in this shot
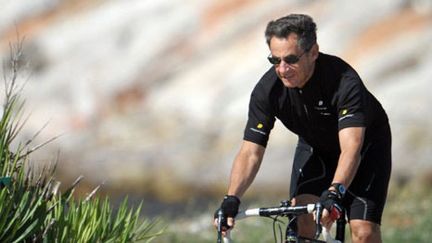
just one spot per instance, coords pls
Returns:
(352, 101)
(260, 118)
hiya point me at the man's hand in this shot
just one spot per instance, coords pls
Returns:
(229, 207)
(331, 201)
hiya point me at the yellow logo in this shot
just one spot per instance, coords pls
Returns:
(260, 125)
(344, 111)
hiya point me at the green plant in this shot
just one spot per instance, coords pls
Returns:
(94, 221)
(31, 207)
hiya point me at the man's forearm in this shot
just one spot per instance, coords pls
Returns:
(245, 168)
(351, 142)
(347, 168)
(242, 176)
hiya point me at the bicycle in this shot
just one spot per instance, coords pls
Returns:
(291, 212)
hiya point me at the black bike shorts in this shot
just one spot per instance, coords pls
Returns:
(313, 173)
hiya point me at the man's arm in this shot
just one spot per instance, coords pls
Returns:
(351, 142)
(245, 168)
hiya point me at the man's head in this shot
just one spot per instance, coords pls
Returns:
(292, 43)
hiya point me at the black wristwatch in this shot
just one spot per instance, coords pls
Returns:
(340, 189)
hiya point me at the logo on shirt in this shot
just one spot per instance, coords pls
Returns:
(322, 109)
(320, 106)
(258, 129)
(344, 112)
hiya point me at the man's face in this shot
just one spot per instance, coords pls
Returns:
(295, 74)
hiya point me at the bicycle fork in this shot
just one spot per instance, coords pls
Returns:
(291, 230)
(340, 227)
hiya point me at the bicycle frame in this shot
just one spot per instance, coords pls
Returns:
(290, 211)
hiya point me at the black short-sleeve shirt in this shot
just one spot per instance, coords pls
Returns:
(334, 98)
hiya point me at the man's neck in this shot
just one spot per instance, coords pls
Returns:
(308, 77)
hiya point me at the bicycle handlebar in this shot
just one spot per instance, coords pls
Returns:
(276, 211)
(283, 211)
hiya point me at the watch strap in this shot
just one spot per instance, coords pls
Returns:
(340, 189)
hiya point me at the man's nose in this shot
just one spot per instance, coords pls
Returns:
(283, 67)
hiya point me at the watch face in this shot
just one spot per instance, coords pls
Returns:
(341, 189)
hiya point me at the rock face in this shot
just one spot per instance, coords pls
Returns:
(155, 93)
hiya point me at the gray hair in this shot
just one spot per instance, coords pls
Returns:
(300, 24)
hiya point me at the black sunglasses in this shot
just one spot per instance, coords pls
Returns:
(290, 59)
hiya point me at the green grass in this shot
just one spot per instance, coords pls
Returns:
(201, 231)
(408, 215)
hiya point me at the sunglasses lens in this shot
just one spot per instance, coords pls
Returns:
(274, 60)
(291, 59)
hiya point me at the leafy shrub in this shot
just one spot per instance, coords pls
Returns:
(31, 207)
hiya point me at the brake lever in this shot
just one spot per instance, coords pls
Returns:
(318, 214)
(219, 227)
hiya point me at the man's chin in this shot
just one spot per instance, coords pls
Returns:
(289, 84)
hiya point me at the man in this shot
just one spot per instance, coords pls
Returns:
(343, 156)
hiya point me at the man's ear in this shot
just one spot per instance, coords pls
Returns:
(315, 51)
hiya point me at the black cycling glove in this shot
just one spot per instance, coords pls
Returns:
(230, 206)
(332, 201)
